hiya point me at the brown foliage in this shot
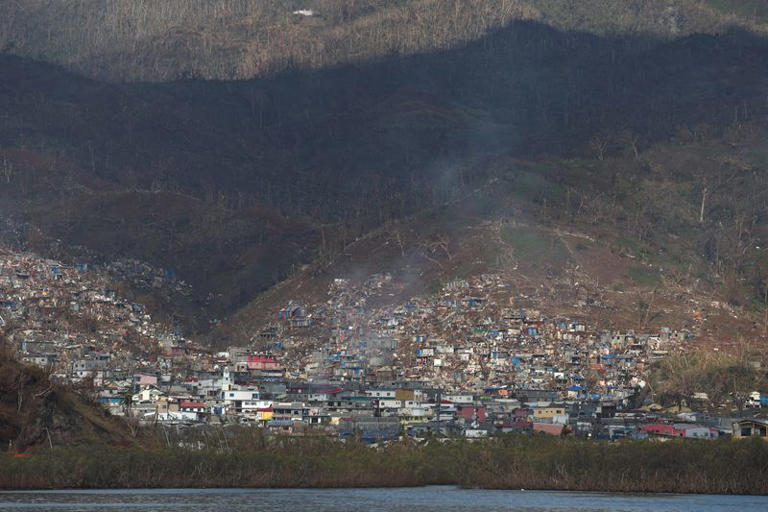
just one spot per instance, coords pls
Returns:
(235, 39)
(35, 412)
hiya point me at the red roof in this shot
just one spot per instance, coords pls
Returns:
(261, 359)
(548, 428)
(662, 430)
(196, 405)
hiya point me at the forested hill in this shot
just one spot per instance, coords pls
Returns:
(236, 39)
(236, 184)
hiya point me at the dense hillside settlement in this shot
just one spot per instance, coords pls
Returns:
(371, 220)
(471, 359)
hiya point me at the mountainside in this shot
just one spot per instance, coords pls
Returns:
(467, 195)
(69, 311)
(637, 124)
(236, 39)
(526, 243)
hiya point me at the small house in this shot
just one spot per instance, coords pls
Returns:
(750, 428)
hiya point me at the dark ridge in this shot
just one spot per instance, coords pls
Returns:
(351, 147)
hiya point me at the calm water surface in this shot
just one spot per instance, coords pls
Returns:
(425, 499)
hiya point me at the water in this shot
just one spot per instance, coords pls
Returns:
(424, 499)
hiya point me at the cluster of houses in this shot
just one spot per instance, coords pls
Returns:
(469, 336)
(70, 319)
(142, 275)
(468, 360)
(250, 390)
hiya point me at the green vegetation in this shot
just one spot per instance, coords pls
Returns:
(512, 461)
(535, 247)
(530, 243)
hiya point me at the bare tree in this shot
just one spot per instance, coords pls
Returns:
(7, 169)
(632, 141)
(400, 240)
(599, 144)
(704, 193)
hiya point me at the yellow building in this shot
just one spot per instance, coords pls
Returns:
(405, 394)
(548, 412)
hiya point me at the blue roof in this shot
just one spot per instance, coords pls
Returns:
(280, 423)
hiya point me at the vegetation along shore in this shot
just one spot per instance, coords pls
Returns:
(247, 459)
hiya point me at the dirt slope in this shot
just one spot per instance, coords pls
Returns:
(36, 414)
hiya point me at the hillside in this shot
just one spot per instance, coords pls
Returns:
(642, 137)
(539, 242)
(37, 414)
(343, 185)
(237, 39)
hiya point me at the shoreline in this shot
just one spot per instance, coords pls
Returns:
(201, 490)
(723, 467)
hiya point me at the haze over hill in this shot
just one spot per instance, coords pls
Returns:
(640, 124)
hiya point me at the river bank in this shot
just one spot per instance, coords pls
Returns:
(421, 499)
(511, 462)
